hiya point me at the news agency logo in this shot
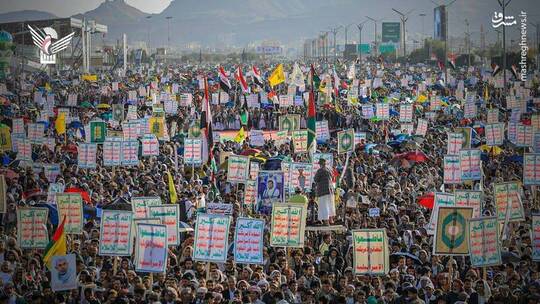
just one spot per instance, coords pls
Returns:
(499, 19)
(46, 39)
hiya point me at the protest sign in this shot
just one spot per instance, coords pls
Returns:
(186, 99)
(288, 225)
(451, 232)
(70, 205)
(118, 112)
(512, 132)
(219, 208)
(299, 139)
(98, 131)
(469, 198)
(452, 169)
(440, 199)
(130, 153)
(524, 135)
(329, 157)
(130, 129)
(156, 126)
(531, 169)
(508, 199)
(151, 248)
(300, 176)
(248, 241)
(360, 138)
(484, 242)
(211, 238)
(270, 190)
(370, 252)
(367, 111)
(150, 145)
(141, 204)
(289, 123)
(535, 237)
(250, 193)
(36, 132)
(87, 156)
(115, 233)
(63, 272)
(112, 153)
(455, 142)
(494, 134)
(421, 127)
(254, 168)
(256, 138)
(374, 212)
(470, 110)
(193, 151)
(32, 227)
(238, 168)
(281, 138)
(470, 162)
(383, 111)
(169, 215)
(322, 131)
(405, 112)
(24, 149)
(345, 141)
(492, 116)
(536, 142)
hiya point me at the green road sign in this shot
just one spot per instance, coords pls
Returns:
(391, 32)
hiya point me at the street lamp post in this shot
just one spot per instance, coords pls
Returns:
(374, 43)
(168, 31)
(404, 19)
(468, 42)
(334, 31)
(346, 30)
(148, 18)
(423, 17)
(360, 26)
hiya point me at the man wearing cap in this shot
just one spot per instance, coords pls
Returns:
(325, 193)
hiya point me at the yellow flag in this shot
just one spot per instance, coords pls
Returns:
(60, 124)
(277, 76)
(48, 87)
(5, 138)
(172, 189)
(240, 136)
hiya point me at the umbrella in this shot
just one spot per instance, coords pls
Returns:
(417, 156)
(184, 227)
(103, 106)
(406, 255)
(410, 144)
(86, 104)
(426, 200)
(250, 151)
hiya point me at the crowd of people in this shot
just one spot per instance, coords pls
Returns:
(322, 270)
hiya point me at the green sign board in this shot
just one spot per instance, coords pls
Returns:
(386, 48)
(391, 32)
(363, 48)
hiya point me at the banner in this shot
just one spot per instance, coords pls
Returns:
(193, 151)
(115, 233)
(322, 131)
(130, 130)
(112, 153)
(141, 204)
(367, 111)
(150, 145)
(254, 168)
(63, 272)
(211, 238)
(5, 139)
(70, 205)
(256, 138)
(151, 248)
(455, 142)
(156, 126)
(289, 123)
(249, 241)
(299, 139)
(250, 194)
(219, 208)
(494, 134)
(524, 135)
(492, 116)
(130, 153)
(288, 225)
(170, 216)
(382, 111)
(371, 254)
(421, 127)
(87, 156)
(470, 110)
(345, 141)
(300, 176)
(470, 162)
(24, 149)
(508, 195)
(237, 169)
(531, 169)
(441, 199)
(451, 233)
(36, 132)
(270, 190)
(281, 138)
(452, 169)
(32, 227)
(98, 131)
(405, 112)
(469, 198)
(535, 237)
(484, 242)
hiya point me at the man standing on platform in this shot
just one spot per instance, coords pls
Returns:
(325, 193)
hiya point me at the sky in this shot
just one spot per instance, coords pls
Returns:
(64, 8)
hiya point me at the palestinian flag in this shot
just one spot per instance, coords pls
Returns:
(496, 69)
(311, 121)
(257, 76)
(514, 71)
(452, 61)
(206, 123)
(224, 82)
(240, 78)
(57, 245)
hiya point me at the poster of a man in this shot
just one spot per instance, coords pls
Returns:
(270, 190)
(63, 274)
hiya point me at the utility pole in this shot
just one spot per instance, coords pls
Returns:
(404, 19)
(346, 30)
(374, 43)
(468, 42)
(168, 31)
(504, 4)
(334, 31)
(423, 17)
(125, 53)
(360, 26)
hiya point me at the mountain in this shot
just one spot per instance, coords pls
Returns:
(26, 15)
